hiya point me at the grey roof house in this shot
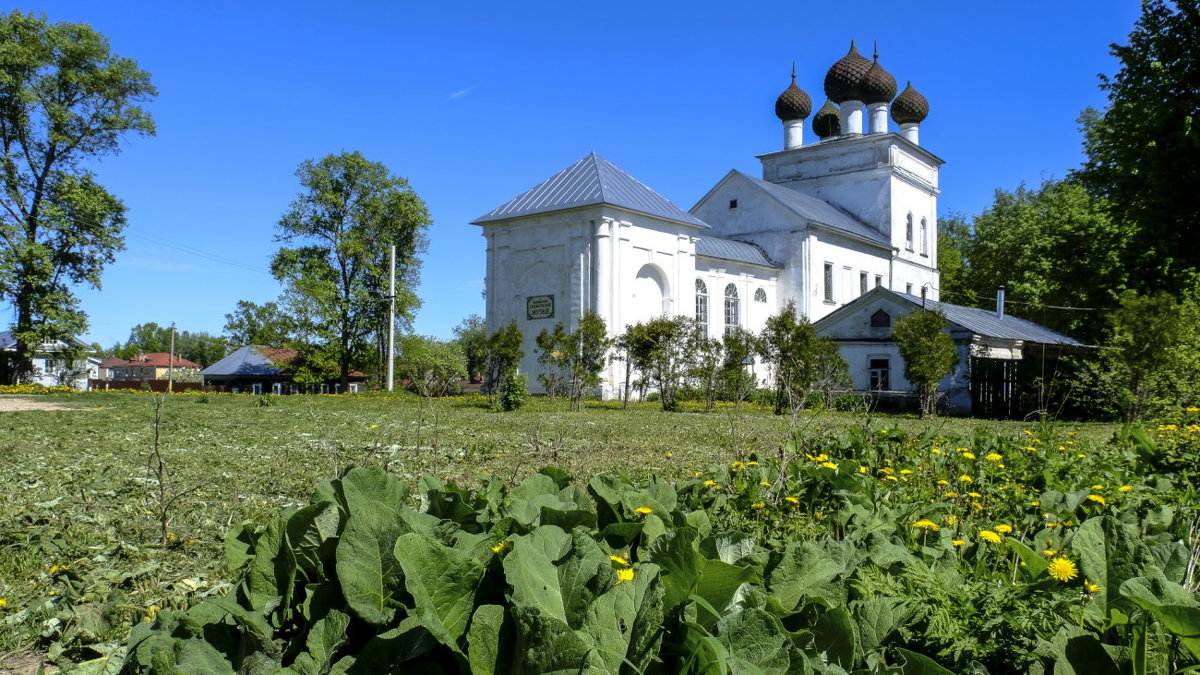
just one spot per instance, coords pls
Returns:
(999, 355)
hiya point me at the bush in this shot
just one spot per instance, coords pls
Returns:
(514, 393)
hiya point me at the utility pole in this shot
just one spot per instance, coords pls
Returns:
(391, 347)
(171, 362)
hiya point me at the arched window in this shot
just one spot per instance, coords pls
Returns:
(924, 237)
(760, 295)
(908, 233)
(702, 306)
(731, 308)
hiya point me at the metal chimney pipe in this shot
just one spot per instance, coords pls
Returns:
(1000, 302)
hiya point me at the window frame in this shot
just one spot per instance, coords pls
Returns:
(732, 308)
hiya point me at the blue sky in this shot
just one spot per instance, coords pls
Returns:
(476, 102)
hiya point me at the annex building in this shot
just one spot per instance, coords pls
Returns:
(841, 208)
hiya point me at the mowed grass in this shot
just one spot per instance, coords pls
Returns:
(78, 491)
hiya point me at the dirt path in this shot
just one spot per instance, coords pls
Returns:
(10, 403)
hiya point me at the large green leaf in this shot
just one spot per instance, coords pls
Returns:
(802, 569)
(548, 646)
(324, 639)
(312, 535)
(530, 569)
(837, 637)
(483, 639)
(876, 619)
(366, 564)
(272, 571)
(442, 582)
(1110, 552)
(757, 639)
(919, 664)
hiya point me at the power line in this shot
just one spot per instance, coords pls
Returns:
(201, 254)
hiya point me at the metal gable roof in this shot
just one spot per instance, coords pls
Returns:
(986, 323)
(590, 181)
(817, 210)
(729, 249)
(248, 360)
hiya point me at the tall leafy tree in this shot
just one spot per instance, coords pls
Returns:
(471, 336)
(1141, 151)
(65, 99)
(659, 349)
(334, 262)
(1050, 247)
(253, 324)
(954, 236)
(801, 360)
(150, 337)
(929, 354)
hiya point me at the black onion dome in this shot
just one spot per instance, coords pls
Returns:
(827, 122)
(843, 79)
(793, 103)
(878, 85)
(910, 106)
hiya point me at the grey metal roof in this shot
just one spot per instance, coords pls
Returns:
(8, 342)
(248, 360)
(590, 181)
(985, 322)
(819, 211)
(729, 249)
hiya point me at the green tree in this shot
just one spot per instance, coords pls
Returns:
(1141, 151)
(574, 360)
(334, 265)
(554, 348)
(953, 239)
(253, 324)
(737, 381)
(707, 359)
(150, 337)
(1150, 361)
(471, 336)
(801, 361)
(659, 350)
(65, 100)
(929, 354)
(1051, 247)
(434, 368)
(505, 349)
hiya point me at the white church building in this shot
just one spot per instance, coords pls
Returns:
(848, 209)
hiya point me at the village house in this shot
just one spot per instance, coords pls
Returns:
(255, 369)
(58, 362)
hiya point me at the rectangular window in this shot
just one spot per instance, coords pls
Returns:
(828, 282)
(862, 283)
(878, 280)
(908, 288)
(880, 371)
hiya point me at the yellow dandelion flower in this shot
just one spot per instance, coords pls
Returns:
(1035, 503)
(3, 602)
(905, 472)
(891, 478)
(950, 495)
(764, 483)
(1097, 487)
(1125, 488)
(818, 515)
(965, 479)
(926, 524)
(1050, 552)
(1004, 528)
(1098, 499)
(619, 560)
(969, 455)
(862, 469)
(829, 465)
(644, 510)
(974, 495)
(501, 547)
(976, 506)
(758, 505)
(943, 482)
(991, 537)
(710, 482)
(752, 463)
(736, 466)
(624, 575)
(1062, 569)
(994, 457)
(1081, 455)
(1090, 587)
(668, 454)
(793, 500)
(374, 426)
(959, 542)
(951, 519)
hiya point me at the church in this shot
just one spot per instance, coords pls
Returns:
(837, 212)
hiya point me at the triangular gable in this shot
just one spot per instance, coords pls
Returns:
(805, 208)
(591, 181)
(961, 319)
(248, 360)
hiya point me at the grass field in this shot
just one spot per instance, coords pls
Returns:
(80, 553)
